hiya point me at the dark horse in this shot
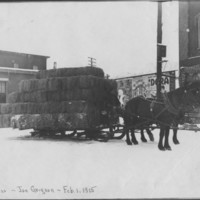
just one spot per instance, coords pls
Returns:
(141, 113)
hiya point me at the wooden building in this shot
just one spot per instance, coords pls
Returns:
(15, 67)
(189, 40)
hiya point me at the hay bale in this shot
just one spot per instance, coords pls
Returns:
(52, 107)
(35, 121)
(72, 121)
(61, 121)
(25, 108)
(34, 108)
(54, 84)
(32, 85)
(54, 96)
(79, 106)
(5, 121)
(14, 97)
(77, 94)
(23, 122)
(6, 108)
(66, 72)
(41, 84)
(35, 97)
(68, 83)
(45, 121)
(18, 108)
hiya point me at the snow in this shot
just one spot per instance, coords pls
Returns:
(92, 169)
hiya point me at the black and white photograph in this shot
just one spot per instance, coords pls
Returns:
(100, 99)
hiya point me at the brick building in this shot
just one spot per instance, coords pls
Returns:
(15, 67)
(189, 40)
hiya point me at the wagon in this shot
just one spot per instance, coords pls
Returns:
(69, 102)
(71, 125)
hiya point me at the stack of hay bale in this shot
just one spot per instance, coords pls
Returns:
(61, 99)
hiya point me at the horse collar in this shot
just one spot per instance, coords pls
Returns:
(169, 105)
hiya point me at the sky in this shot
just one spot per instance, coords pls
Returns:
(120, 35)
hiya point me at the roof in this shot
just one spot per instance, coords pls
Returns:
(18, 70)
(22, 54)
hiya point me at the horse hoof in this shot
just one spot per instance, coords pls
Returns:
(144, 140)
(152, 139)
(135, 142)
(128, 143)
(161, 148)
(168, 148)
(176, 142)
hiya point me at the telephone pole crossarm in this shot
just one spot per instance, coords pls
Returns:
(92, 61)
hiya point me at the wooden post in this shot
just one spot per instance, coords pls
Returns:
(159, 56)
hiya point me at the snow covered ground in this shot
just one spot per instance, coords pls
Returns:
(46, 168)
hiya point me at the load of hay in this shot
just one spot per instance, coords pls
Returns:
(61, 99)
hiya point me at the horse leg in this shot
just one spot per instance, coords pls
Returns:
(133, 138)
(150, 134)
(166, 145)
(175, 139)
(128, 141)
(160, 143)
(142, 135)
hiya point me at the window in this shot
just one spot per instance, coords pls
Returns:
(2, 91)
(2, 87)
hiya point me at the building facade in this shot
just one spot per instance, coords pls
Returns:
(15, 67)
(189, 46)
(189, 41)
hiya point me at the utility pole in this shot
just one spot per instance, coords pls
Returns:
(159, 57)
(92, 61)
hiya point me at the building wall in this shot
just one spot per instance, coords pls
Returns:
(12, 80)
(24, 61)
(183, 26)
(188, 33)
(15, 79)
(193, 11)
(189, 52)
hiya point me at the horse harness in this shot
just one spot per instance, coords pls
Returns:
(167, 106)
